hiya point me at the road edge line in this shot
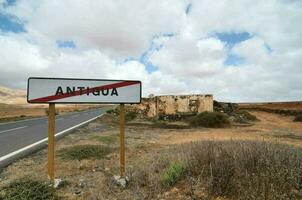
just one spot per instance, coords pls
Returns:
(9, 158)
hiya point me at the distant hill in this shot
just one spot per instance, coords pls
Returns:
(12, 96)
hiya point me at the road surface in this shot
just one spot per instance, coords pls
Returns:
(19, 135)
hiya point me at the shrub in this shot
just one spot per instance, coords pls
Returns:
(229, 169)
(246, 115)
(130, 115)
(81, 152)
(210, 120)
(113, 111)
(25, 189)
(298, 118)
(173, 173)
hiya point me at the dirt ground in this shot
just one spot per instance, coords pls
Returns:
(92, 179)
(10, 112)
(270, 127)
(273, 106)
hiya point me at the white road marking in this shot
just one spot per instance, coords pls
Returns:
(44, 140)
(13, 129)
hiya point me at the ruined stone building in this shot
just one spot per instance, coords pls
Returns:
(175, 104)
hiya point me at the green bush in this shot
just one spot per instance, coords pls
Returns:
(210, 120)
(173, 173)
(130, 115)
(298, 118)
(26, 189)
(246, 115)
(113, 111)
(81, 152)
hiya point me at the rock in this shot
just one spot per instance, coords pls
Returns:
(107, 169)
(122, 181)
(58, 182)
(77, 191)
(232, 118)
(82, 183)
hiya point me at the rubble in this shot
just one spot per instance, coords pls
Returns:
(121, 181)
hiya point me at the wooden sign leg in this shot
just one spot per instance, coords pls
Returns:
(122, 140)
(51, 140)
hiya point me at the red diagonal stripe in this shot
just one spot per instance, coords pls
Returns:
(84, 91)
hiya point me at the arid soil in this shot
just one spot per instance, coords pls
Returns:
(92, 178)
(10, 112)
(273, 106)
(270, 127)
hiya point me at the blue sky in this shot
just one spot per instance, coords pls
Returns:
(10, 23)
(230, 39)
(66, 44)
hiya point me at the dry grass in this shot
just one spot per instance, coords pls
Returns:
(10, 112)
(274, 106)
(28, 189)
(163, 164)
(81, 152)
(107, 139)
(230, 169)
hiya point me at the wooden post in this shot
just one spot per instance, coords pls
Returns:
(122, 140)
(51, 140)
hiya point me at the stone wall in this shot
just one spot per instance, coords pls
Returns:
(175, 104)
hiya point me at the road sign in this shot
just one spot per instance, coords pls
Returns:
(66, 90)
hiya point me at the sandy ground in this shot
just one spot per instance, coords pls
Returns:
(278, 106)
(92, 179)
(10, 112)
(271, 127)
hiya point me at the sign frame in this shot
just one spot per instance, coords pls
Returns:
(52, 116)
(81, 79)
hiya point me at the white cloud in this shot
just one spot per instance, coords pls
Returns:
(190, 58)
(107, 32)
(119, 28)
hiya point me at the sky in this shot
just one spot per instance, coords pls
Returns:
(237, 50)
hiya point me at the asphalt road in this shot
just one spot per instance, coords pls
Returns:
(16, 135)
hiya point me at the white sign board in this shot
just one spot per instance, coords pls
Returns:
(65, 90)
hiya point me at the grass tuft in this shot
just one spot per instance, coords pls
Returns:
(173, 173)
(81, 152)
(108, 139)
(166, 125)
(210, 120)
(27, 189)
